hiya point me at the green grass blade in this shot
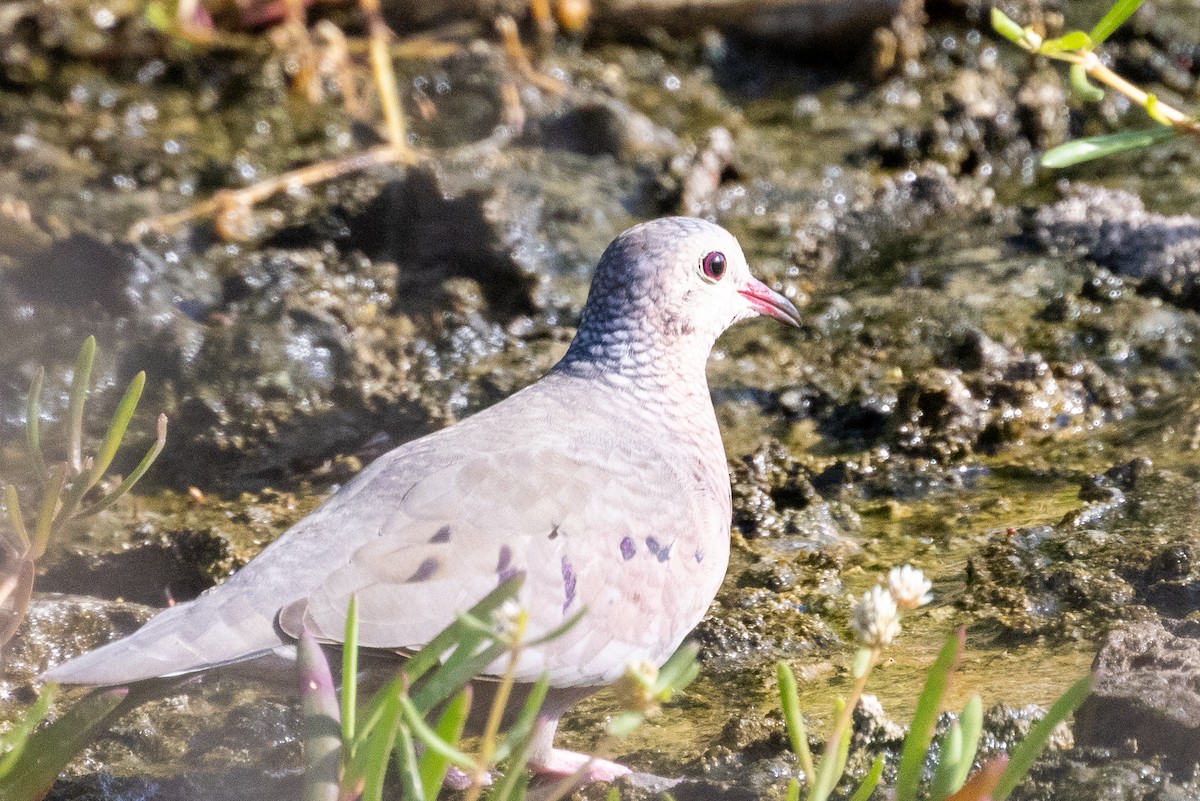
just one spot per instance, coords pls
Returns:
(45, 519)
(554, 634)
(869, 781)
(80, 381)
(513, 782)
(373, 756)
(522, 727)
(13, 743)
(33, 435)
(116, 429)
(134, 477)
(408, 767)
(827, 775)
(793, 718)
(1078, 151)
(13, 504)
(1021, 760)
(971, 721)
(1116, 16)
(49, 750)
(322, 730)
(415, 723)
(949, 758)
(350, 675)
(920, 731)
(679, 671)
(449, 729)
(448, 680)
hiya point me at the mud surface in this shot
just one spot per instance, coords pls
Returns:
(994, 381)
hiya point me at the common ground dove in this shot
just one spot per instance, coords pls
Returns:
(605, 482)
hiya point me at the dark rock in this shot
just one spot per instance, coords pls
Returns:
(1146, 691)
(1113, 228)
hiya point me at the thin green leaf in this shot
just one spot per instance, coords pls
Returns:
(920, 731)
(415, 722)
(134, 477)
(13, 503)
(624, 723)
(559, 631)
(80, 381)
(971, 721)
(1021, 760)
(793, 717)
(869, 781)
(72, 497)
(463, 665)
(949, 758)
(1120, 11)
(1007, 27)
(33, 436)
(14, 741)
(1078, 151)
(678, 672)
(49, 749)
(431, 653)
(350, 674)
(513, 783)
(1084, 89)
(522, 727)
(45, 519)
(828, 774)
(116, 429)
(793, 790)
(406, 761)
(373, 755)
(322, 731)
(449, 729)
(1075, 40)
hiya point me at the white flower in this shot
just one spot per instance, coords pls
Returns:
(507, 618)
(876, 620)
(909, 587)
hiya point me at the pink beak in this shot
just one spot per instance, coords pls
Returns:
(765, 300)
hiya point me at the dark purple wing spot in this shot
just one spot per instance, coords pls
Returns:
(699, 556)
(442, 535)
(661, 552)
(425, 571)
(568, 577)
(554, 532)
(628, 549)
(504, 567)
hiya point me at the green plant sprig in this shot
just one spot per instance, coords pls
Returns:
(67, 484)
(1078, 48)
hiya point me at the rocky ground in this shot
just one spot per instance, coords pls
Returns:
(995, 379)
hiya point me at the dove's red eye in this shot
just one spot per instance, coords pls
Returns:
(712, 266)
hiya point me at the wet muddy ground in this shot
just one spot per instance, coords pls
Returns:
(995, 380)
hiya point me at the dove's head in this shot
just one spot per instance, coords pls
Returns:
(665, 290)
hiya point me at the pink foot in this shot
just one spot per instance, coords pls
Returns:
(563, 763)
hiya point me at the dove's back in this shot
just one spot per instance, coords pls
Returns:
(603, 500)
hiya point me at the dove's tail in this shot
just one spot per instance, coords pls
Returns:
(198, 635)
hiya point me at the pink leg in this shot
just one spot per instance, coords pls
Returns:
(562, 763)
(546, 760)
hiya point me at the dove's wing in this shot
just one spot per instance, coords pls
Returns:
(596, 515)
